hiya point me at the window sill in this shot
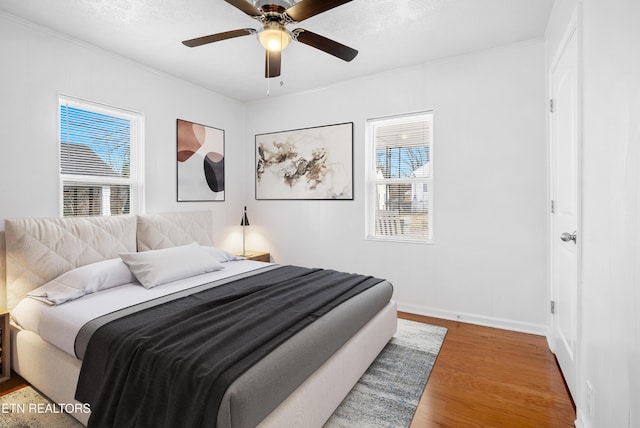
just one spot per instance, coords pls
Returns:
(399, 240)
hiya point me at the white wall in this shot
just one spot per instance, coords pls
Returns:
(488, 263)
(35, 65)
(611, 273)
(38, 64)
(490, 199)
(609, 324)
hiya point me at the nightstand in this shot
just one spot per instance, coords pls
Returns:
(5, 350)
(259, 256)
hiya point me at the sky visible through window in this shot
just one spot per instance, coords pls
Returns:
(108, 136)
(401, 162)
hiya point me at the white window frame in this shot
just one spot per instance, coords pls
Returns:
(372, 180)
(136, 157)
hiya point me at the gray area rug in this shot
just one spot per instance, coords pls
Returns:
(386, 396)
(27, 408)
(388, 393)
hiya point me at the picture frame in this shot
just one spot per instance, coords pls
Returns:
(199, 162)
(313, 163)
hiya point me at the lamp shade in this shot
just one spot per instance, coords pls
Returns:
(274, 37)
(245, 219)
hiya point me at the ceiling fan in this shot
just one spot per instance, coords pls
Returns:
(274, 37)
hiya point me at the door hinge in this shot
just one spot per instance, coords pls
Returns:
(553, 307)
(553, 207)
(551, 105)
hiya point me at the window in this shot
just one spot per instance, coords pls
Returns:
(400, 178)
(99, 162)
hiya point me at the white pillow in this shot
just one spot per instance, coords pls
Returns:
(156, 267)
(56, 294)
(86, 279)
(221, 255)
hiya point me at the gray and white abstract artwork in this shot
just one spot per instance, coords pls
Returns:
(310, 163)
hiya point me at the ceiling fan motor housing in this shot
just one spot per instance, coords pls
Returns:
(285, 4)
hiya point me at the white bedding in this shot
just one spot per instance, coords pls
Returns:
(59, 325)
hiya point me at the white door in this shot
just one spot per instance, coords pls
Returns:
(565, 207)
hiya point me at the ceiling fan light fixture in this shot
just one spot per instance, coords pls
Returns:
(274, 38)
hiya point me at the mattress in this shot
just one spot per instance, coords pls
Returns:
(59, 325)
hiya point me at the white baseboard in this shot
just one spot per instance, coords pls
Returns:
(581, 422)
(505, 324)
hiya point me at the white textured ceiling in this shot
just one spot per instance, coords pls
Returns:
(388, 34)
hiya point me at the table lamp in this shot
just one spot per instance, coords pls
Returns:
(244, 222)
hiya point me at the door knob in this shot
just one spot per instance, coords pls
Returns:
(566, 237)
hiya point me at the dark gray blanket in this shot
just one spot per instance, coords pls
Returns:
(170, 365)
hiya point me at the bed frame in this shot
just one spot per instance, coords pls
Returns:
(38, 250)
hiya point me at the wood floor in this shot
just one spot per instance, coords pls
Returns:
(483, 377)
(487, 377)
(13, 384)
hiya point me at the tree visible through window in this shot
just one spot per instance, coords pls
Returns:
(400, 178)
(97, 159)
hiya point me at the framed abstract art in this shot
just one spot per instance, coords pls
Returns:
(309, 163)
(200, 162)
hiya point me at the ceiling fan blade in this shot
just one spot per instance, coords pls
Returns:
(246, 7)
(308, 8)
(199, 41)
(272, 64)
(327, 45)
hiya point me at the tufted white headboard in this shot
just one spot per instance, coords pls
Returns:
(38, 250)
(156, 231)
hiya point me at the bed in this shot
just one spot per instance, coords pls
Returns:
(299, 382)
